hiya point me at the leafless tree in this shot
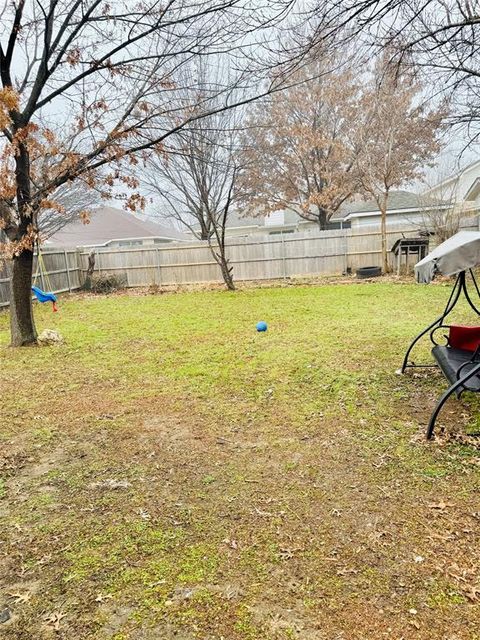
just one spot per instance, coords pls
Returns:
(440, 212)
(81, 83)
(195, 181)
(398, 137)
(440, 37)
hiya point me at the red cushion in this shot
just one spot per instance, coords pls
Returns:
(467, 338)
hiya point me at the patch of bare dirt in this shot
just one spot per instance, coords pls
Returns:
(168, 431)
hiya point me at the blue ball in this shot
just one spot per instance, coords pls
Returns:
(262, 326)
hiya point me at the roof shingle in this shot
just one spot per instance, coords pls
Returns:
(396, 200)
(107, 224)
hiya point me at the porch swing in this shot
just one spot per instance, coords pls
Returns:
(459, 356)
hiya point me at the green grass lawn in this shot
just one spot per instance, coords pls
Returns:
(170, 473)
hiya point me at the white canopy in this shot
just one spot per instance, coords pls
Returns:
(459, 253)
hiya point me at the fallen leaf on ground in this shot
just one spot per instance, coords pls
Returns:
(101, 597)
(110, 484)
(21, 598)
(54, 619)
(440, 505)
(287, 554)
(472, 593)
(345, 572)
(233, 544)
(265, 514)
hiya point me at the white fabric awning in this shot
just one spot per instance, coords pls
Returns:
(459, 253)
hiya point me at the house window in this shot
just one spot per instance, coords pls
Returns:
(130, 243)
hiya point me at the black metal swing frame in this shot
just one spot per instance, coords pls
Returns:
(468, 364)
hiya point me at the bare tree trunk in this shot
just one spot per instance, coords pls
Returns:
(227, 274)
(383, 231)
(223, 262)
(219, 228)
(322, 219)
(205, 227)
(22, 324)
(227, 277)
(91, 268)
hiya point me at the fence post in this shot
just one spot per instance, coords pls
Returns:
(159, 271)
(78, 262)
(284, 257)
(67, 269)
(345, 250)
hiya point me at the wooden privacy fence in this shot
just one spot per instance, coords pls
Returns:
(252, 258)
(61, 267)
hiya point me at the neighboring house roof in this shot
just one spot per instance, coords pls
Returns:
(108, 224)
(474, 190)
(396, 200)
(340, 214)
(235, 220)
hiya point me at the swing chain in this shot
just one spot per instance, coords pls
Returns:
(41, 270)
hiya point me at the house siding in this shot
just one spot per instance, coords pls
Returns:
(397, 219)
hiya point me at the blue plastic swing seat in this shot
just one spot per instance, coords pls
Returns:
(43, 296)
